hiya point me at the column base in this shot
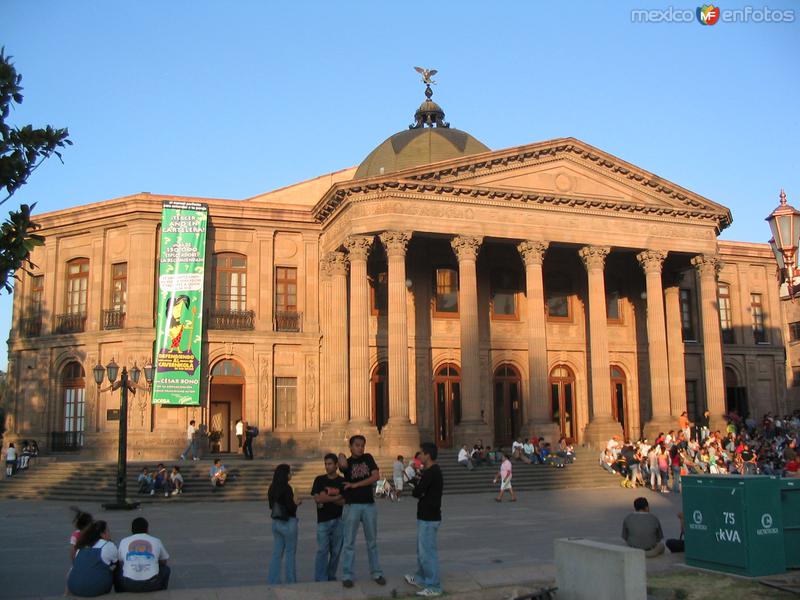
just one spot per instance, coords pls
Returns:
(547, 430)
(333, 438)
(469, 432)
(365, 428)
(400, 437)
(599, 431)
(659, 424)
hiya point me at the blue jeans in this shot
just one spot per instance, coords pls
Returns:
(329, 547)
(190, 447)
(427, 555)
(353, 516)
(676, 479)
(284, 534)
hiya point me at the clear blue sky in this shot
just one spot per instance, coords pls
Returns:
(230, 99)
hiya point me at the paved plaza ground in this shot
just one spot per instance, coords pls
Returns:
(224, 545)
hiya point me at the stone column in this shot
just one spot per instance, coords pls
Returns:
(714, 370)
(602, 424)
(399, 434)
(537, 408)
(338, 358)
(472, 425)
(660, 417)
(677, 365)
(358, 248)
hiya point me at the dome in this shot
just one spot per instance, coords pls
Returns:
(415, 147)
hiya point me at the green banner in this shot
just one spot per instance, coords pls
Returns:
(180, 303)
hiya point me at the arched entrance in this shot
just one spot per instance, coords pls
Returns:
(226, 405)
(562, 400)
(73, 386)
(379, 384)
(619, 399)
(735, 394)
(447, 403)
(507, 414)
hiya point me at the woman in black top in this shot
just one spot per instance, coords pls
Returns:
(283, 509)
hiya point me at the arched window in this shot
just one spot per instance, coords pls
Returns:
(507, 405)
(231, 281)
(562, 400)
(380, 395)
(227, 368)
(73, 385)
(447, 403)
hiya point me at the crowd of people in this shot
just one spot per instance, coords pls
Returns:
(745, 447)
(533, 451)
(171, 483)
(19, 459)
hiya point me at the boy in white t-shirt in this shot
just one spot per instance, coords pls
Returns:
(11, 460)
(143, 561)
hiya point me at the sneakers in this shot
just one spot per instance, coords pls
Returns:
(380, 580)
(166, 494)
(429, 593)
(411, 580)
(183, 457)
(195, 458)
(348, 583)
(152, 492)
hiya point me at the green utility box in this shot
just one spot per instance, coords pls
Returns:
(790, 501)
(734, 524)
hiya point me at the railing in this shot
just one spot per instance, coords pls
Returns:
(288, 320)
(231, 319)
(113, 319)
(64, 441)
(71, 323)
(31, 326)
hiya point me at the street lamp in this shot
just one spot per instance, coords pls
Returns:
(125, 384)
(784, 222)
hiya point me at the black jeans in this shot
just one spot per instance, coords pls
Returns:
(154, 584)
(248, 447)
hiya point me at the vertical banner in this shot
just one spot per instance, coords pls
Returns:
(180, 303)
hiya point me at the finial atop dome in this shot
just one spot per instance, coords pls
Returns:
(429, 113)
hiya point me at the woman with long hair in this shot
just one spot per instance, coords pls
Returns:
(92, 571)
(283, 510)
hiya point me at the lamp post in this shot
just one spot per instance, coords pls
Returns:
(784, 222)
(127, 382)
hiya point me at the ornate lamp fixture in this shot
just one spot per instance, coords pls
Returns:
(784, 222)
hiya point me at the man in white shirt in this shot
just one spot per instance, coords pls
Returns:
(239, 432)
(143, 559)
(464, 458)
(191, 445)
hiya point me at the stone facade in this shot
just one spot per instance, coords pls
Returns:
(549, 288)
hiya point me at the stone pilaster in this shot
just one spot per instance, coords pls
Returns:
(602, 424)
(661, 419)
(472, 424)
(538, 418)
(141, 275)
(399, 433)
(358, 248)
(677, 365)
(714, 370)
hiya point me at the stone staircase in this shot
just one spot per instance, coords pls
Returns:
(85, 481)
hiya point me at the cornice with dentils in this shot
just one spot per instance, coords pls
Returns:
(448, 179)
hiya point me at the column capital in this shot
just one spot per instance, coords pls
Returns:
(651, 260)
(466, 247)
(532, 251)
(594, 257)
(358, 246)
(395, 242)
(707, 264)
(336, 263)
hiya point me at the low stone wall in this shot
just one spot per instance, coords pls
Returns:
(587, 570)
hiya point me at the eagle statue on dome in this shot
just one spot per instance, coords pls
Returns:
(426, 75)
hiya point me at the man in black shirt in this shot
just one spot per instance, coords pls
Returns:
(429, 516)
(360, 474)
(327, 493)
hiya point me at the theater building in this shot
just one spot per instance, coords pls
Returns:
(440, 290)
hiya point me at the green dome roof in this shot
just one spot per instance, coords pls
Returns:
(420, 146)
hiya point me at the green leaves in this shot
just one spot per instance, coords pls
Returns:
(22, 151)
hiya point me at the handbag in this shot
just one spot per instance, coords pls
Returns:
(279, 511)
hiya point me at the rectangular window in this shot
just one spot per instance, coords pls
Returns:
(286, 289)
(231, 282)
(446, 296)
(757, 308)
(794, 331)
(613, 306)
(119, 287)
(379, 294)
(558, 306)
(725, 313)
(687, 316)
(37, 295)
(285, 403)
(692, 402)
(795, 376)
(77, 286)
(505, 287)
